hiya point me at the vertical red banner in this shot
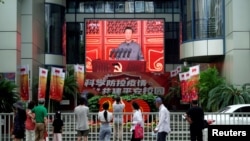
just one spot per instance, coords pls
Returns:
(193, 81)
(79, 75)
(42, 84)
(56, 83)
(24, 85)
(189, 81)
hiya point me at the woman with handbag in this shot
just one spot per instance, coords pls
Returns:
(137, 123)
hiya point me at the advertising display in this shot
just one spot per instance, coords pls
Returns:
(126, 40)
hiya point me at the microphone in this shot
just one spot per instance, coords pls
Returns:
(120, 52)
(115, 52)
(125, 51)
(111, 53)
(129, 51)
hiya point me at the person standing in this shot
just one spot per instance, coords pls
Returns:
(130, 47)
(41, 120)
(118, 107)
(82, 126)
(57, 127)
(30, 122)
(195, 117)
(136, 119)
(163, 127)
(19, 121)
(105, 118)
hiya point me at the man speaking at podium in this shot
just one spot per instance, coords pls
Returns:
(128, 50)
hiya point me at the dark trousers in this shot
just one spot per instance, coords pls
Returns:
(161, 136)
(196, 134)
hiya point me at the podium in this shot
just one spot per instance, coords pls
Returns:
(118, 66)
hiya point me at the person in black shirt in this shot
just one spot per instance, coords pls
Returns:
(195, 117)
(57, 127)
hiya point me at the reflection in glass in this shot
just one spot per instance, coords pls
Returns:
(119, 7)
(99, 7)
(187, 20)
(81, 7)
(109, 7)
(215, 18)
(204, 20)
(139, 6)
(200, 19)
(54, 21)
(89, 7)
(129, 7)
(149, 6)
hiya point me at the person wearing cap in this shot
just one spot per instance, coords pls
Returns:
(195, 117)
(19, 121)
(118, 107)
(41, 120)
(163, 127)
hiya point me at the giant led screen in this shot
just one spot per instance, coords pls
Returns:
(120, 45)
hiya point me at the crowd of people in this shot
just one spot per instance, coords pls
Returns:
(31, 122)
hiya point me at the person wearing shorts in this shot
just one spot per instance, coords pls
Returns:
(82, 126)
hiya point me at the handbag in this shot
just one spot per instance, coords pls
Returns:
(138, 131)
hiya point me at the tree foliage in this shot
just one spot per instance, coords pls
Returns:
(8, 95)
(209, 79)
(227, 94)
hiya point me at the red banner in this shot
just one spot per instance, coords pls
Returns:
(127, 83)
(79, 75)
(24, 85)
(43, 74)
(56, 83)
(188, 81)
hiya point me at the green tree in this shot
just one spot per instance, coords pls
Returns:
(227, 94)
(209, 79)
(8, 95)
(70, 84)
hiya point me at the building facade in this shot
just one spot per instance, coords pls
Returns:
(44, 33)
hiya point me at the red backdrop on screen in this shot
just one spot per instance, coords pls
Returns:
(104, 35)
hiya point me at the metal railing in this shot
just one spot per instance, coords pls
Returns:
(179, 127)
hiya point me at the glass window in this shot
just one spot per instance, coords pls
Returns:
(215, 18)
(70, 6)
(200, 19)
(149, 6)
(159, 6)
(75, 43)
(129, 7)
(119, 6)
(243, 109)
(139, 6)
(88, 6)
(187, 20)
(99, 7)
(109, 7)
(176, 6)
(54, 19)
(169, 6)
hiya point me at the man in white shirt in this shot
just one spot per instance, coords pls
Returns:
(163, 127)
(118, 107)
(82, 126)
